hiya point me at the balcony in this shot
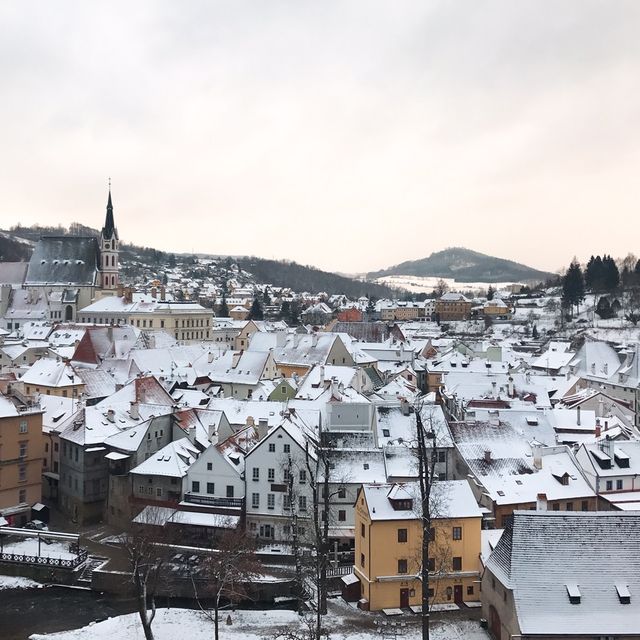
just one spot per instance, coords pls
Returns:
(214, 501)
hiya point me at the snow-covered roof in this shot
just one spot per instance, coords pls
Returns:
(541, 554)
(172, 461)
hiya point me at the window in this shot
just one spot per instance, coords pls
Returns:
(271, 475)
(569, 506)
(442, 456)
(431, 593)
(618, 484)
(211, 487)
(209, 466)
(287, 448)
(362, 559)
(585, 505)
(432, 564)
(159, 492)
(302, 503)
(402, 566)
(342, 492)
(457, 533)
(362, 530)
(342, 515)
(402, 535)
(22, 428)
(255, 500)
(22, 473)
(256, 474)
(386, 433)
(195, 487)
(271, 501)
(22, 496)
(470, 590)
(609, 485)
(272, 447)
(230, 491)
(286, 501)
(456, 563)
(432, 534)
(286, 475)
(303, 476)
(23, 450)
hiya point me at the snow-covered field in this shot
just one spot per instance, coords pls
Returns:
(417, 284)
(251, 625)
(29, 546)
(17, 582)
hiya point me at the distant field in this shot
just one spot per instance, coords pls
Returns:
(417, 284)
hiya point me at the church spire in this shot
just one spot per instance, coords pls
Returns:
(109, 229)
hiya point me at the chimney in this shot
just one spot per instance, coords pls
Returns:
(537, 458)
(541, 502)
(404, 406)
(250, 421)
(263, 428)
(134, 411)
(598, 429)
(210, 357)
(494, 385)
(322, 376)
(111, 415)
(578, 416)
(527, 377)
(487, 456)
(163, 292)
(511, 390)
(128, 294)
(154, 293)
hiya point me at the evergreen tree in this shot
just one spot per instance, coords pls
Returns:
(491, 292)
(611, 274)
(573, 287)
(256, 313)
(603, 308)
(224, 308)
(266, 297)
(534, 333)
(294, 314)
(590, 274)
(285, 310)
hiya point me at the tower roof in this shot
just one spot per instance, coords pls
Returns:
(109, 230)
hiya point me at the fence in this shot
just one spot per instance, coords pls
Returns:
(65, 563)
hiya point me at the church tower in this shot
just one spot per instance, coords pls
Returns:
(109, 249)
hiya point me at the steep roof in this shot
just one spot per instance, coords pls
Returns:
(542, 553)
(64, 260)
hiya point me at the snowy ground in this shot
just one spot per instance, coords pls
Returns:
(29, 546)
(17, 582)
(418, 284)
(254, 625)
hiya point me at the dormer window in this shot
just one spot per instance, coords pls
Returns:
(573, 593)
(624, 594)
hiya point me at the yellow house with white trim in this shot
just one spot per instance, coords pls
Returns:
(388, 534)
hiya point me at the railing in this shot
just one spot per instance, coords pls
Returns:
(339, 570)
(195, 498)
(65, 563)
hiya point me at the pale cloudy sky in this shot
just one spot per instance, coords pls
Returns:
(348, 135)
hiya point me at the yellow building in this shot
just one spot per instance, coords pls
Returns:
(21, 454)
(52, 378)
(388, 543)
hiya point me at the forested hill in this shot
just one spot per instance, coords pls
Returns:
(138, 262)
(465, 265)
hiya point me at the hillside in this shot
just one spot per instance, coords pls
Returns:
(144, 263)
(465, 265)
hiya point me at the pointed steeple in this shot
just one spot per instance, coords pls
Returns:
(109, 229)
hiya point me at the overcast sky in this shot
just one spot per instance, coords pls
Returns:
(347, 135)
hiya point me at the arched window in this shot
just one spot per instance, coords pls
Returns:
(113, 280)
(113, 261)
(68, 312)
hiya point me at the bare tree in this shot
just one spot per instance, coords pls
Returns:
(309, 631)
(145, 547)
(223, 575)
(441, 287)
(430, 506)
